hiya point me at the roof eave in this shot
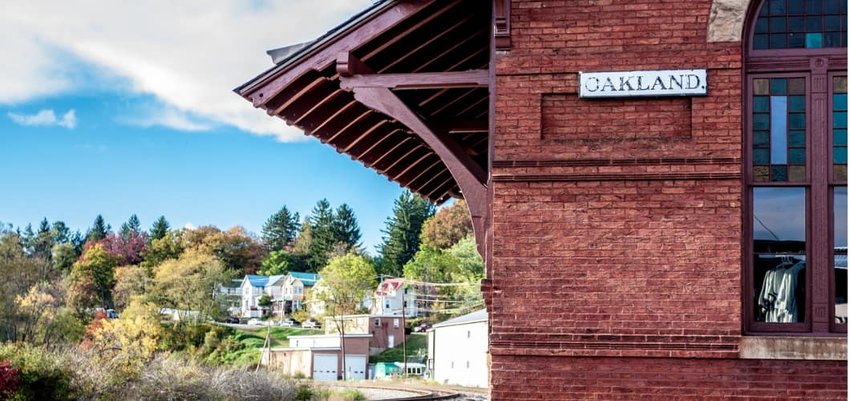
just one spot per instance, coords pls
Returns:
(313, 48)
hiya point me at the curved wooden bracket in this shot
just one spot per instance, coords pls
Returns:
(467, 173)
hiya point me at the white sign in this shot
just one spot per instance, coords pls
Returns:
(643, 83)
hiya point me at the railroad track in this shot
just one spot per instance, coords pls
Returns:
(421, 394)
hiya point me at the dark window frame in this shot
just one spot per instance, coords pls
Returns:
(812, 64)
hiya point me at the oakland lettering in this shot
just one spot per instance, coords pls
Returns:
(643, 83)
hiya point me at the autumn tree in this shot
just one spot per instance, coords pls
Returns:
(127, 248)
(280, 230)
(448, 226)
(130, 281)
(18, 273)
(92, 278)
(238, 250)
(131, 340)
(401, 236)
(187, 283)
(169, 246)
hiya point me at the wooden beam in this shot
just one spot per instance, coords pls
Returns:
(264, 88)
(422, 80)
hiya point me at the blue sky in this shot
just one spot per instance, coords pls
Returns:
(136, 115)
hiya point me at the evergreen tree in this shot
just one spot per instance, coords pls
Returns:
(401, 240)
(159, 229)
(280, 229)
(61, 232)
(131, 228)
(346, 229)
(43, 241)
(323, 238)
(98, 230)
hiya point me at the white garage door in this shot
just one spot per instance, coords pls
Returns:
(324, 367)
(355, 367)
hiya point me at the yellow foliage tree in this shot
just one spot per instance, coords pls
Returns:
(131, 340)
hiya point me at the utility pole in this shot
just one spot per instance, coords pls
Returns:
(404, 328)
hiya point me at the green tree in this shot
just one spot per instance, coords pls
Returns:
(401, 240)
(63, 256)
(345, 227)
(98, 230)
(264, 300)
(280, 229)
(131, 228)
(61, 232)
(323, 238)
(344, 283)
(278, 262)
(159, 229)
(470, 267)
(92, 278)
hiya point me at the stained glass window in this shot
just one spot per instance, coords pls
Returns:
(779, 129)
(796, 24)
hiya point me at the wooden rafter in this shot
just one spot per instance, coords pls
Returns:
(422, 80)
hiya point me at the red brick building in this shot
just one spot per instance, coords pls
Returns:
(686, 244)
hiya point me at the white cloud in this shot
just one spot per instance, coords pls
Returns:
(188, 226)
(45, 118)
(188, 54)
(165, 116)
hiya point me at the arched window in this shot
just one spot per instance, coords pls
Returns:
(796, 167)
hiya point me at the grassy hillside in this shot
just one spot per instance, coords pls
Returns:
(242, 347)
(417, 344)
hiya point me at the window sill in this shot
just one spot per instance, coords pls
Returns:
(803, 348)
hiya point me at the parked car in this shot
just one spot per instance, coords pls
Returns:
(422, 328)
(311, 324)
(232, 320)
(290, 323)
(255, 322)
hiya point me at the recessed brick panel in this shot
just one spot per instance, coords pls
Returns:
(568, 118)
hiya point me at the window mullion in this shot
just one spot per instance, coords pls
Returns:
(819, 192)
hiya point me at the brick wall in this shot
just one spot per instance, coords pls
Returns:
(616, 224)
(665, 379)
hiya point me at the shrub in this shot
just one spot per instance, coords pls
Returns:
(42, 375)
(180, 379)
(10, 380)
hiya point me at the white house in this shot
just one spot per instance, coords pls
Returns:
(285, 291)
(457, 350)
(253, 287)
(295, 286)
(392, 297)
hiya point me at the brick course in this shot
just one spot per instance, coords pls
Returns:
(617, 224)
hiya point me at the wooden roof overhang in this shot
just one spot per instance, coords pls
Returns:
(402, 87)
